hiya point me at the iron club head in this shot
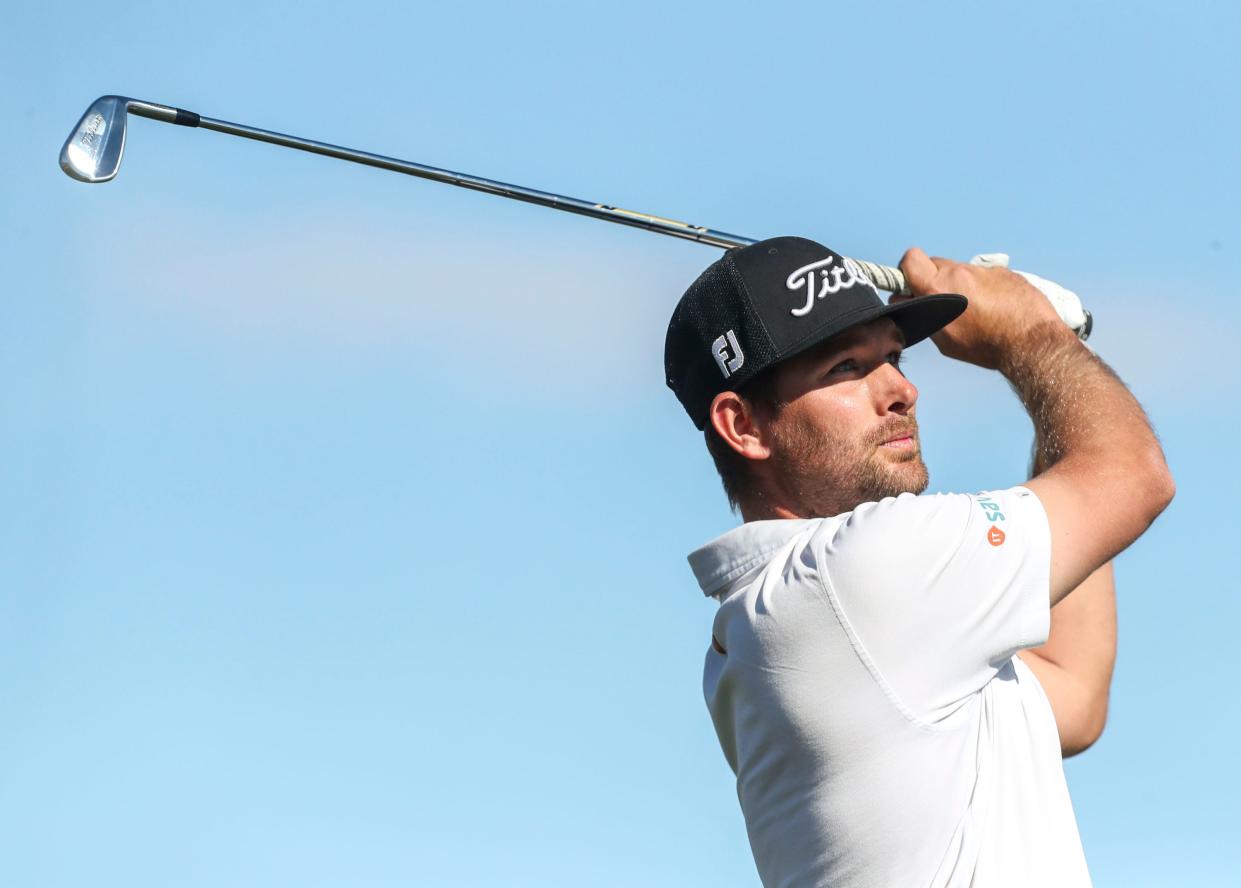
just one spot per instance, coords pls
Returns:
(92, 153)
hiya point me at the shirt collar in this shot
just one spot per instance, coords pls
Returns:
(734, 554)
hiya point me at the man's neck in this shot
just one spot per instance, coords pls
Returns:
(768, 505)
(767, 511)
(771, 507)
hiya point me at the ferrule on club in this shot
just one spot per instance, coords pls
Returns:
(163, 113)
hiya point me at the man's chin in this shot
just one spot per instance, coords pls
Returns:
(907, 476)
(918, 480)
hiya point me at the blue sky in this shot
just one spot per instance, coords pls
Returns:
(347, 513)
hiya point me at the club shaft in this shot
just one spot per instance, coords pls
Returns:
(884, 276)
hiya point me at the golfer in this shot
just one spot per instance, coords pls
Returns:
(875, 674)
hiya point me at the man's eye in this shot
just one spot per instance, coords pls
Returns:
(851, 365)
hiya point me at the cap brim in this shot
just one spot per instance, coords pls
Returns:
(921, 316)
(917, 319)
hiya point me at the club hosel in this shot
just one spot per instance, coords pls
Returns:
(163, 113)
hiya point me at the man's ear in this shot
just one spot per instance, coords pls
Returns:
(734, 420)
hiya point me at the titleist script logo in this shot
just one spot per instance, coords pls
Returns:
(727, 353)
(91, 131)
(831, 280)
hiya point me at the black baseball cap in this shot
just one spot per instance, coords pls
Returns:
(760, 304)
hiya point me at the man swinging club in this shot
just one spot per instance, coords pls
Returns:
(863, 674)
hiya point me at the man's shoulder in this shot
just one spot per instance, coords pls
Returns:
(880, 533)
(925, 517)
(913, 538)
(892, 511)
(719, 564)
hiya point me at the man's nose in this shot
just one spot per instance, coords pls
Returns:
(895, 393)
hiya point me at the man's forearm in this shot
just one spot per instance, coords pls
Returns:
(1103, 459)
(1075, 400)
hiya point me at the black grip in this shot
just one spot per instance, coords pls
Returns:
(185, 118)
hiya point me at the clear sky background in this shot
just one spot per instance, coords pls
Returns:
(346, 514)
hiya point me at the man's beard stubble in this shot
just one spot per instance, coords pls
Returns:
(826, 473)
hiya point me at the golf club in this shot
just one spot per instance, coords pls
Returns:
(93, 151)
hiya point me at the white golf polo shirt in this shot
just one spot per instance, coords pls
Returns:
(869, 701)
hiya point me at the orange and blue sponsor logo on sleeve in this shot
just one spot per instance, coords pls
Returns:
(991, 509)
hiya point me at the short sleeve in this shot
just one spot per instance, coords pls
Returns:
(940, 591)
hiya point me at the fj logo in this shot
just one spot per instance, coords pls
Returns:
(728, 353)
(839, 278)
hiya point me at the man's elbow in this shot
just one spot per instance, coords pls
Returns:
(1087, 729)
(1158, 485)
(1168, 488)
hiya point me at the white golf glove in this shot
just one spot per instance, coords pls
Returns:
(1064, 301)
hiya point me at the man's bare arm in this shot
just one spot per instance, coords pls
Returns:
(1106, 479)
(1075, 665)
